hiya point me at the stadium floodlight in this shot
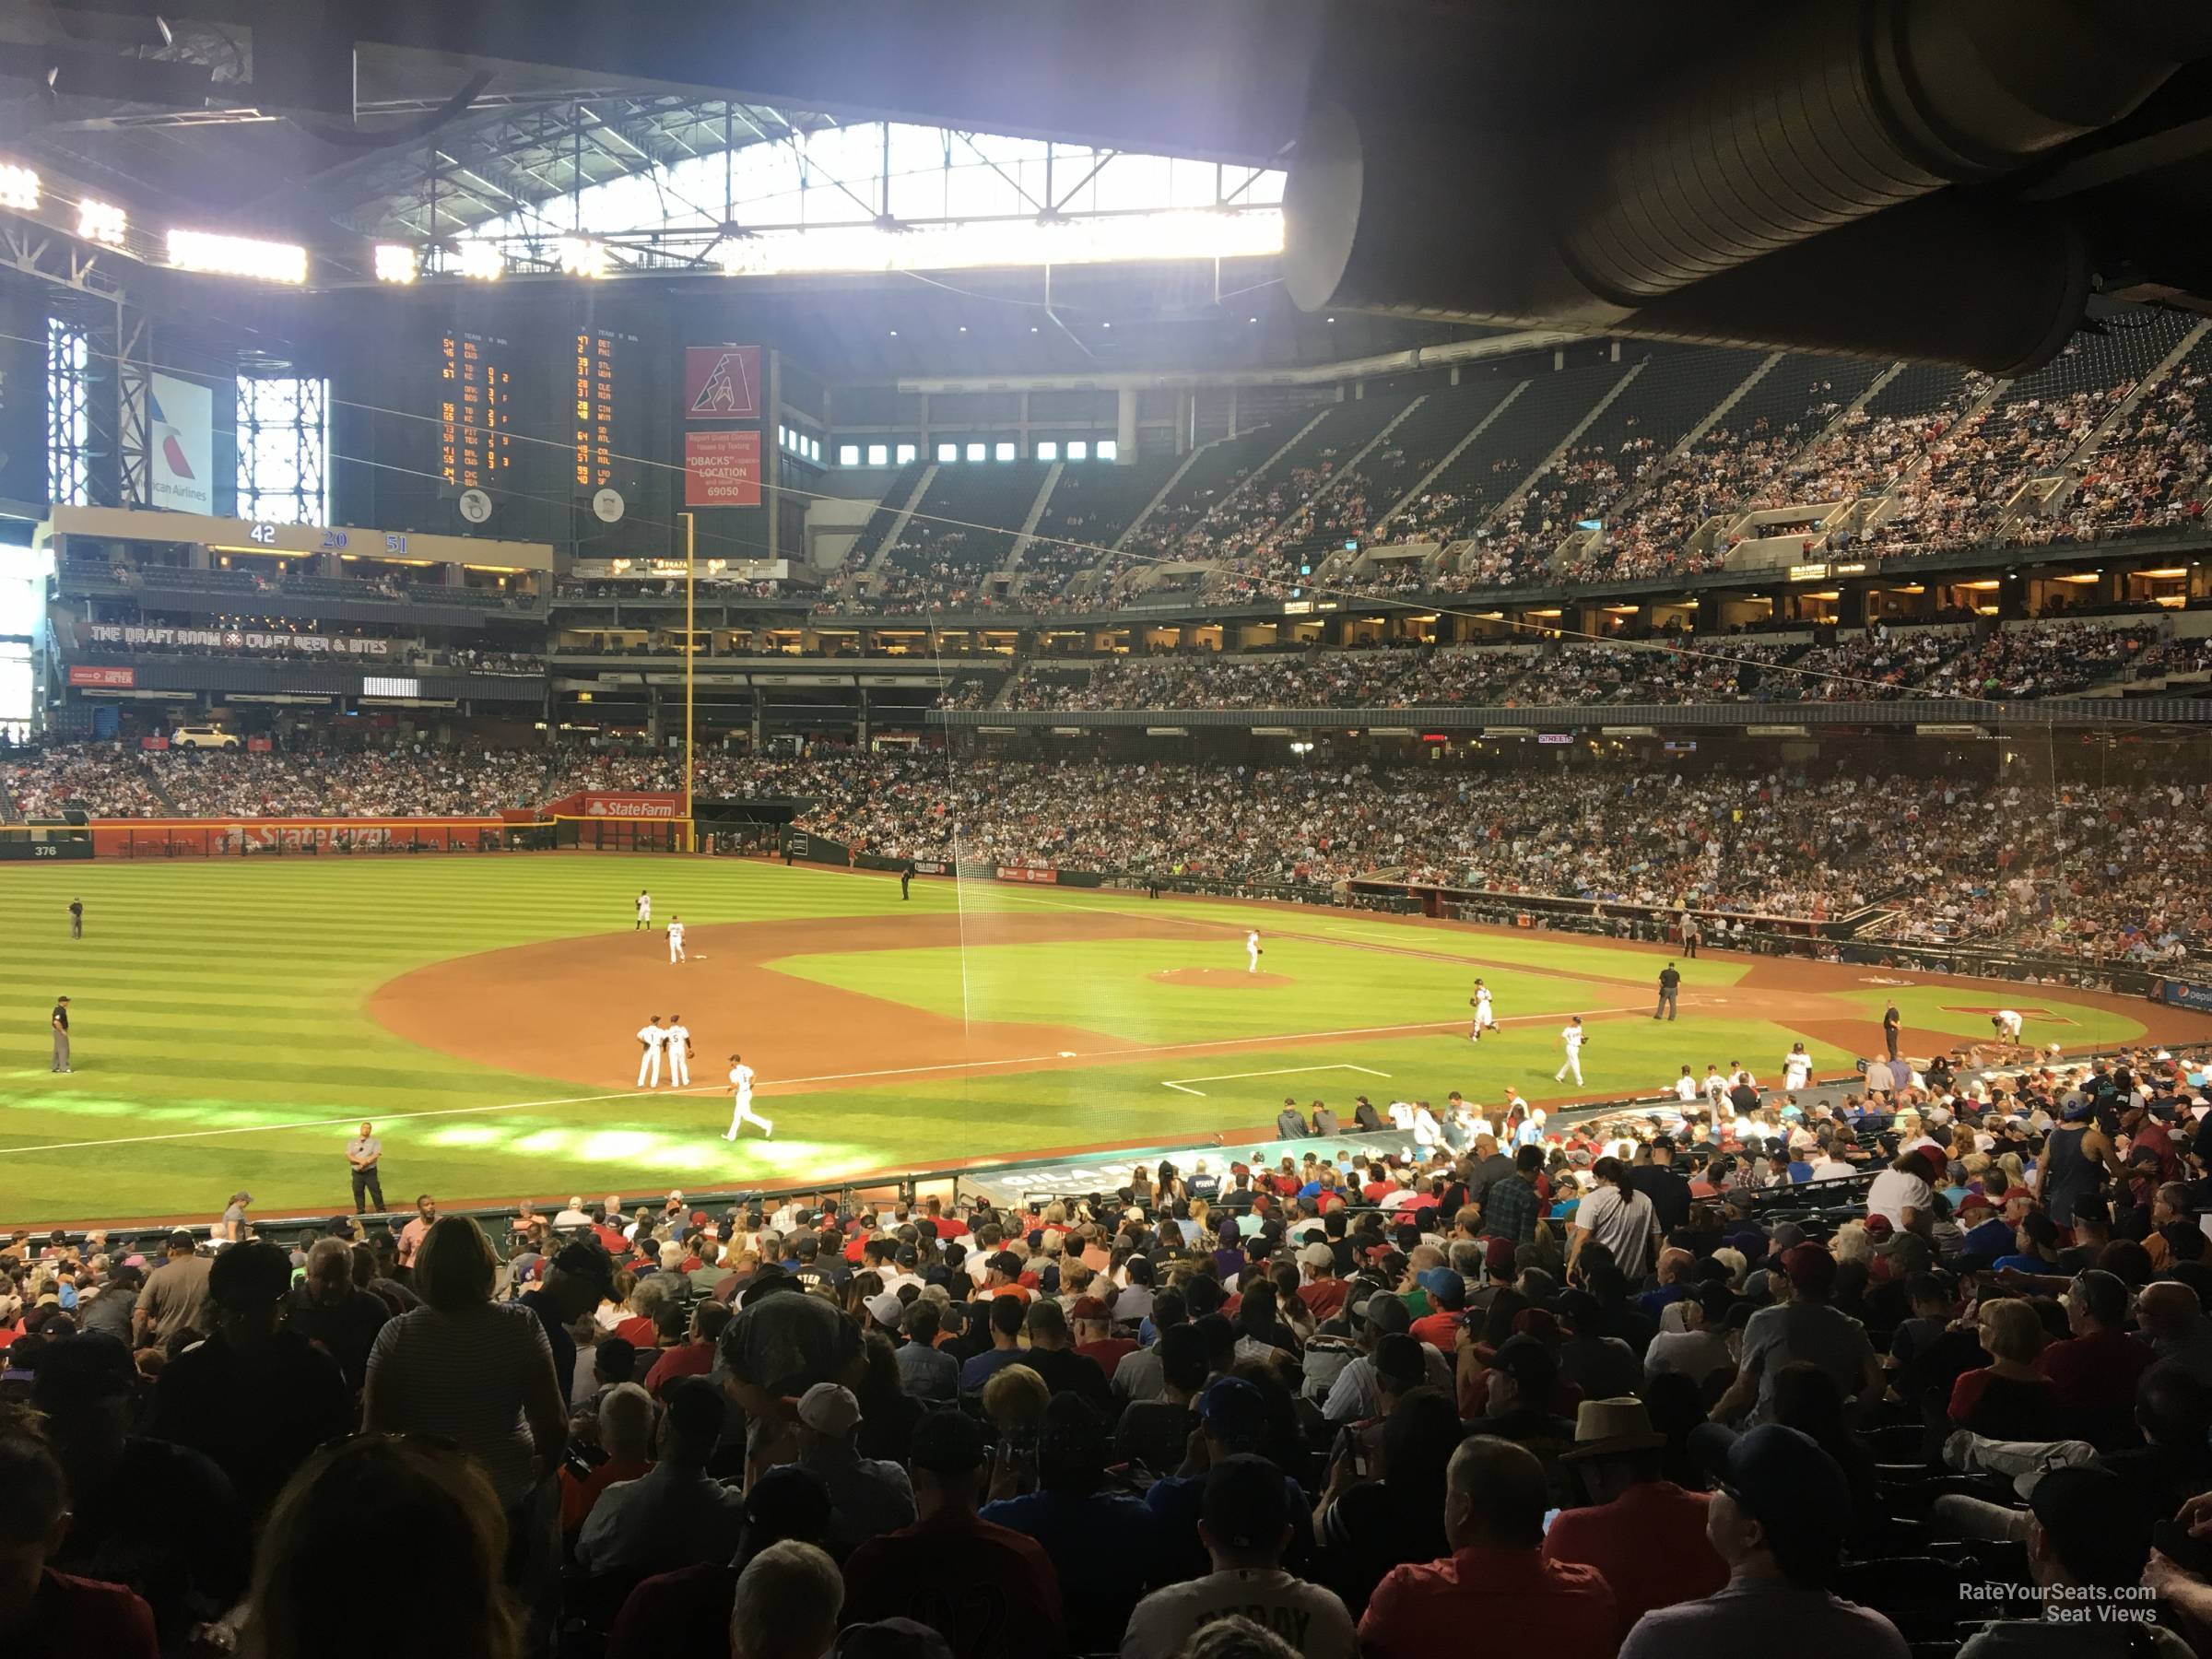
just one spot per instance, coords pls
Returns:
(216, 255)
(102, 222)
(581, 256)
(482, 261)
(395, 262)
(18, 188)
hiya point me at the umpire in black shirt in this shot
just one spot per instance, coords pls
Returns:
(1670, 988)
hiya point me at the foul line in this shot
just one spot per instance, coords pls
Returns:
(1280, 1071)
(1057, 1058)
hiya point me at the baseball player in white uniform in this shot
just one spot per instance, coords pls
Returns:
(1796, 1067)
(741, 1085)
(651, 1036)
(1686, 1089)
(1483, 1015)
(1252, 951)
(645, 910)
(675, 940)
(2007, 1024)
(679, 1038)
(1571, 1034)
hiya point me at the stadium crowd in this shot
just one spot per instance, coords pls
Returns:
(1885, 1374)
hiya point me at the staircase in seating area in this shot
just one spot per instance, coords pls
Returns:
(891, 537)
(153, 781)
(1028, 526)
(1514, 497)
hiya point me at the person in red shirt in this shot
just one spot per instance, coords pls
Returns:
(44, 1613)
(1495, 1580)
(695, 1358)
(1448, 1294)
(626, 1436)
(1322, 1292)
(948, 1227)
(1094, 1334)
(2097, 1368)
(1643, 1533)
(991, 1592)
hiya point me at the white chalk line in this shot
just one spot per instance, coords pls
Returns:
(1280, 1071)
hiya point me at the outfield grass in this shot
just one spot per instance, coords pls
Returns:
(222, 1041)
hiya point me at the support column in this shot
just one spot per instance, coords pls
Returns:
(1124, 425)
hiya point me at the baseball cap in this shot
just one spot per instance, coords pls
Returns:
(2091, 1525)
(789, 1501)
(885, 1309)
(1810, 1266)
(1246, 1505)
(1879, 1227)
(1786, 1482)
(1088, 1307)
(1234, 1412)
(585, 1261)
(891, 1638)
(830, 1408)
(947, 1442)
(1007, 1263)
(783, 1345)
(1787, 1236)
(1317, 1256)
(1386, 1313)
(1446, 1287)
(1529, 1363)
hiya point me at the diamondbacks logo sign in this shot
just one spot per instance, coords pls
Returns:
(721, 382)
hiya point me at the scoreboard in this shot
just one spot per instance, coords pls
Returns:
(602, 402)
(476, 409)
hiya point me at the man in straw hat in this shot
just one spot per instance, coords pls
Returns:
(1643, 1533)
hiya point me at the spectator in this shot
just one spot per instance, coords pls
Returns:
(1104, 1546)
(867, 1497)
(625, 1424)
(1643, 1535)
(1052, 1356)
(1801, 1325)
(255, 1397)
(989, 1590)
(307, 1600)
(694, 1358)
(1617, 1216)
(329, 1311)
(1006, 1317)
(173, 1306)
(678, 1514)
(786, 1606)
(1155, 1433)
(925, 1371)
(688, 1611)
(1246, 1525)
(1372, 1518)
(2009, 1398)
(1778, 1518)
(2085, 1547)
(1496, 1579)
(45, 1614)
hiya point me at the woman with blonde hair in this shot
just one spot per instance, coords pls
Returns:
(308, 1601)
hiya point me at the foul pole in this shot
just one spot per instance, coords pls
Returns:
(690, 659)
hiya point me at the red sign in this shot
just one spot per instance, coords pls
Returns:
(81, 675)
(260, 745)
(1027, 873)
(156, 741)
(721, 382)
(721, 469)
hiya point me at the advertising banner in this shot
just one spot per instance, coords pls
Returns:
(2183, 994)
(132, 637)
(180, 420)
(81, 674)
(597, 805)
(1042, 875)
(721, 468)
(721, 382)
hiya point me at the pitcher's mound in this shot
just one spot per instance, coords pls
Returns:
(1221, 979)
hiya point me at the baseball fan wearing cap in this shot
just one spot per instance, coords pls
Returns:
(1780, 1509)
(1801, 1326)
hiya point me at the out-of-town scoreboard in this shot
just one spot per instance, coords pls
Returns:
(476, 409)
(601, 397)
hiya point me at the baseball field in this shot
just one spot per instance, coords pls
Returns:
(234, 1019)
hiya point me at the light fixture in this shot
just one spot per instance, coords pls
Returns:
(581, 256)
(395, 262)
(216, 255)
(482, 261)
(1251, 319)
(18, 188)
(101, 222)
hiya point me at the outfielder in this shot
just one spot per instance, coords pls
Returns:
(676, 941)
(1571, 1034)
(679, 1038)
(741, 1084)
(1483, 1014)
(649, 1038)
(1252, 951)
(644, 912)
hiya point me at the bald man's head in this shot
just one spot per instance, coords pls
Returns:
(2166, 1307)
(1495, 1496)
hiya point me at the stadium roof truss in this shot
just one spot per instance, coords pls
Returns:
(639, 185)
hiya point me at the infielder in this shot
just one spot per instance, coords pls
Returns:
(1571, 1035)
(676, 941)
(1796, 1068)
(741, 1084)
(678, 1037)
(649, 1038)
(1483, 1014)
(2006, 1024)
(1252, 951)
(644, 912)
